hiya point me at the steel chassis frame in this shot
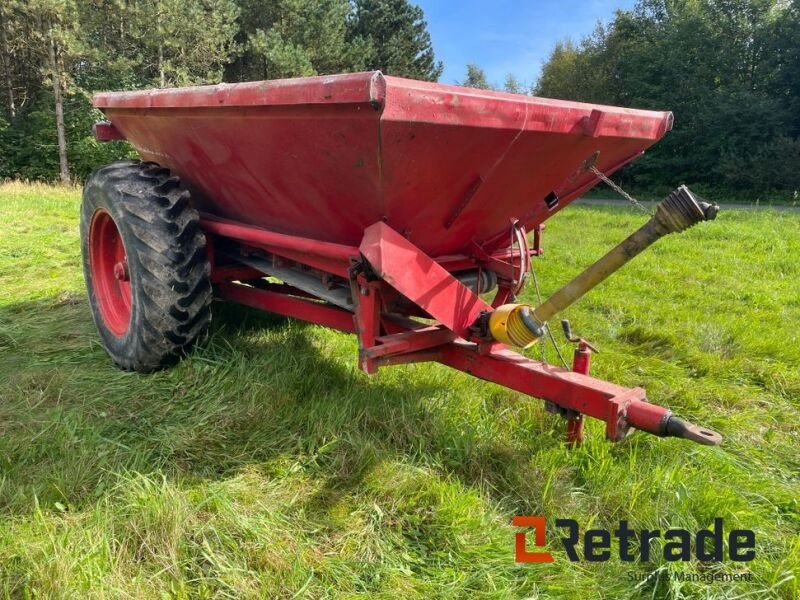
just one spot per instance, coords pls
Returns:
(387, 265)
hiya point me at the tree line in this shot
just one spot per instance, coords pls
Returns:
(729, 70)
(55, 53)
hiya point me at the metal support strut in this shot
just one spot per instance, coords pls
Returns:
(581, 362)
(387, 264)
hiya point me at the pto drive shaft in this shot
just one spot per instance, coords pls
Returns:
(677, 212)
(519, 325)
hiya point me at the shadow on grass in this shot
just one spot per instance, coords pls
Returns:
(262, 392)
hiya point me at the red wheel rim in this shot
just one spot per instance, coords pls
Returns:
(110, 277)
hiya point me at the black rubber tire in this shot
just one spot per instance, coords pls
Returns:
(166, 255)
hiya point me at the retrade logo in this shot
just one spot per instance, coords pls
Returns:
(595, 545)
(521, 553)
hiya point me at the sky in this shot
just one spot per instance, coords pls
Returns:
(507, 36)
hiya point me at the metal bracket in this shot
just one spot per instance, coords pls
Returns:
(565, 326)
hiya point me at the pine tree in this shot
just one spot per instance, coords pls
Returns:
(184, 43)
(512, 85)
(291, 38)
(398, 36)
(476, 78)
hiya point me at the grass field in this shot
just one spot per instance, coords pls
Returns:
(267, 465)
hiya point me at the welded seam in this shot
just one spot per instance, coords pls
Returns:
(484, 178)
(510, 145)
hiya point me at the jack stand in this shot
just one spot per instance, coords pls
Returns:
(581, 361)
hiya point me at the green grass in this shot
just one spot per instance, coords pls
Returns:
(267, 465)
(721, 196)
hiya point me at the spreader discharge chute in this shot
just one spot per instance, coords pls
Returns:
(384, 207)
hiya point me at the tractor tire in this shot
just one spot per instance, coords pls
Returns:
(145, 265)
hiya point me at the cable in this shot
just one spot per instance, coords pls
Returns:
(546, 325)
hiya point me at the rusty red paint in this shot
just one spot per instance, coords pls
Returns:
(387, 340)
(377, 181)
(325, 157)
(105, 131)
(421, 279)
(109, 272)
(367, 318)
(407, 342)
(581, 362)
(286, 305)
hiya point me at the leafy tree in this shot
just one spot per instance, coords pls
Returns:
(397, 37)
(22, 56)
(476, 78)
(782, 61)
(62, 50)
(512, 85)
(7, 56)
(55, 53)
(155, 42)
(50, 45)
(560, 77)
(726, 68)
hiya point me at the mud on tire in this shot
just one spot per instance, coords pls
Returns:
(167, 307)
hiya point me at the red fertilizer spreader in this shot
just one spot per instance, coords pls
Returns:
(404, 212)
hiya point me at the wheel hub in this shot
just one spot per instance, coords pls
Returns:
(110, 274)
(121, 271)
